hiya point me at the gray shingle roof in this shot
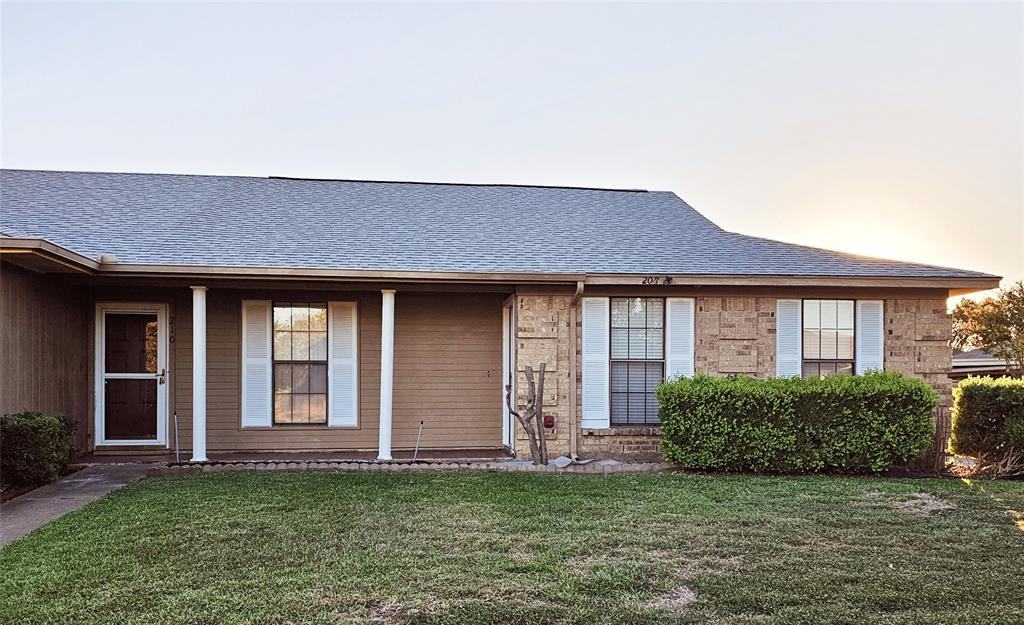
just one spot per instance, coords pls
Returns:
(272, 222)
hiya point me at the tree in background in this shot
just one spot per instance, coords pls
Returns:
(994, 325)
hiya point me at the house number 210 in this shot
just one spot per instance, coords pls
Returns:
(653, 280)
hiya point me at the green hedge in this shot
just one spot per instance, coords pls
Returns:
(36, 448)
(853, 423)
(988, 416)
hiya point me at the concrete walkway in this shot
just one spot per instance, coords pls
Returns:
(23, 514)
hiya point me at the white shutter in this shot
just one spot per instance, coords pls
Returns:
(342, 365)
(788, 332)
(257, 382)
(595, 362)
(679, 337)
(870, 336)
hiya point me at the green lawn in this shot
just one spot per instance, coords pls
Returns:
(517, 548)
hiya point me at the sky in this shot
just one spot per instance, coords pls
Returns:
(885, 129)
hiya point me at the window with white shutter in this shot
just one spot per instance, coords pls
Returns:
(257, 387)
(870, 336)
(787, 338)
(343, 365)
(595, 348)
(679, 337)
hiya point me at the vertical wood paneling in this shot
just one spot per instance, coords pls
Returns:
(44, 347)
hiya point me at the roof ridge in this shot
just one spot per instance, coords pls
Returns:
(311, 179)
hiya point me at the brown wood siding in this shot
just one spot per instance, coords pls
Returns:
(447, 372)
(44, 354)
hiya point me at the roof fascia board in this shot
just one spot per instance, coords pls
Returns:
(50, 251)
(962, 284)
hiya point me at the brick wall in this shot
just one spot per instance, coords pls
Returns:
(733, 335)
(917, 333)
(542, 336)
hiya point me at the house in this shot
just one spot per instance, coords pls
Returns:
(221, 315)
(975, 362)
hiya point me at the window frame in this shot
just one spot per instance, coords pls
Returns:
(852, 361)
(612, 360)
(274, 362)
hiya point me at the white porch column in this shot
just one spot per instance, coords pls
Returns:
(199, 374)
(387, 362)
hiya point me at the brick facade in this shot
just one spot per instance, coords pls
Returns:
(734, 335)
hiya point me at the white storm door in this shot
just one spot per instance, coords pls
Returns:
(131, 374)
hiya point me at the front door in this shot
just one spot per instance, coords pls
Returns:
(131, 374)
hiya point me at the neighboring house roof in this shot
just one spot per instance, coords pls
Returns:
(977, 361)
(161, 219)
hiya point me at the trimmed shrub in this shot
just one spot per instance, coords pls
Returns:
(862, 423)
(988, 417)
(35, 448)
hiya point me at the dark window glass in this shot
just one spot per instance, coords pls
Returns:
(638, 358)
(300, 363)
(828, 337)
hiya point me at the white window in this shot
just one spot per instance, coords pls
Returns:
(828, 337)
(637, 358)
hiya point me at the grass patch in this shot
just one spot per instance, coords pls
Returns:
(516, 548)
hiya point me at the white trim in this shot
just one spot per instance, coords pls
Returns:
(100, 376)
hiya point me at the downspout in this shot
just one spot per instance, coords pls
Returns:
(573, 401)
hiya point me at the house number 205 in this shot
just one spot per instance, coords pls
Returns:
(652, 280)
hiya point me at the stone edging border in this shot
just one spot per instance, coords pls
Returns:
(592, 468)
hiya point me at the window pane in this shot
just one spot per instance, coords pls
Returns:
(844, 350)
(620, 312)
(654, 344)
(283, 408)
(828, 313)
(637, 408)
(620, 410)
(300, 408)
(637, 343)
(282, 317)
(300, 317)
(620, 343)
(827, 368)
(844, 368)
(318, 346)
(318, 317)
(828, 343)
(300, 346)
(655, 312)
(845, 314)
(812, 343)
(318, 408)
(637, 377)
(300, 378)
(282, 378)
(655, 374)
(812, 313)
(810, 370)
(620, 377)
(637, 312)
(318, 378)
(282, 345)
